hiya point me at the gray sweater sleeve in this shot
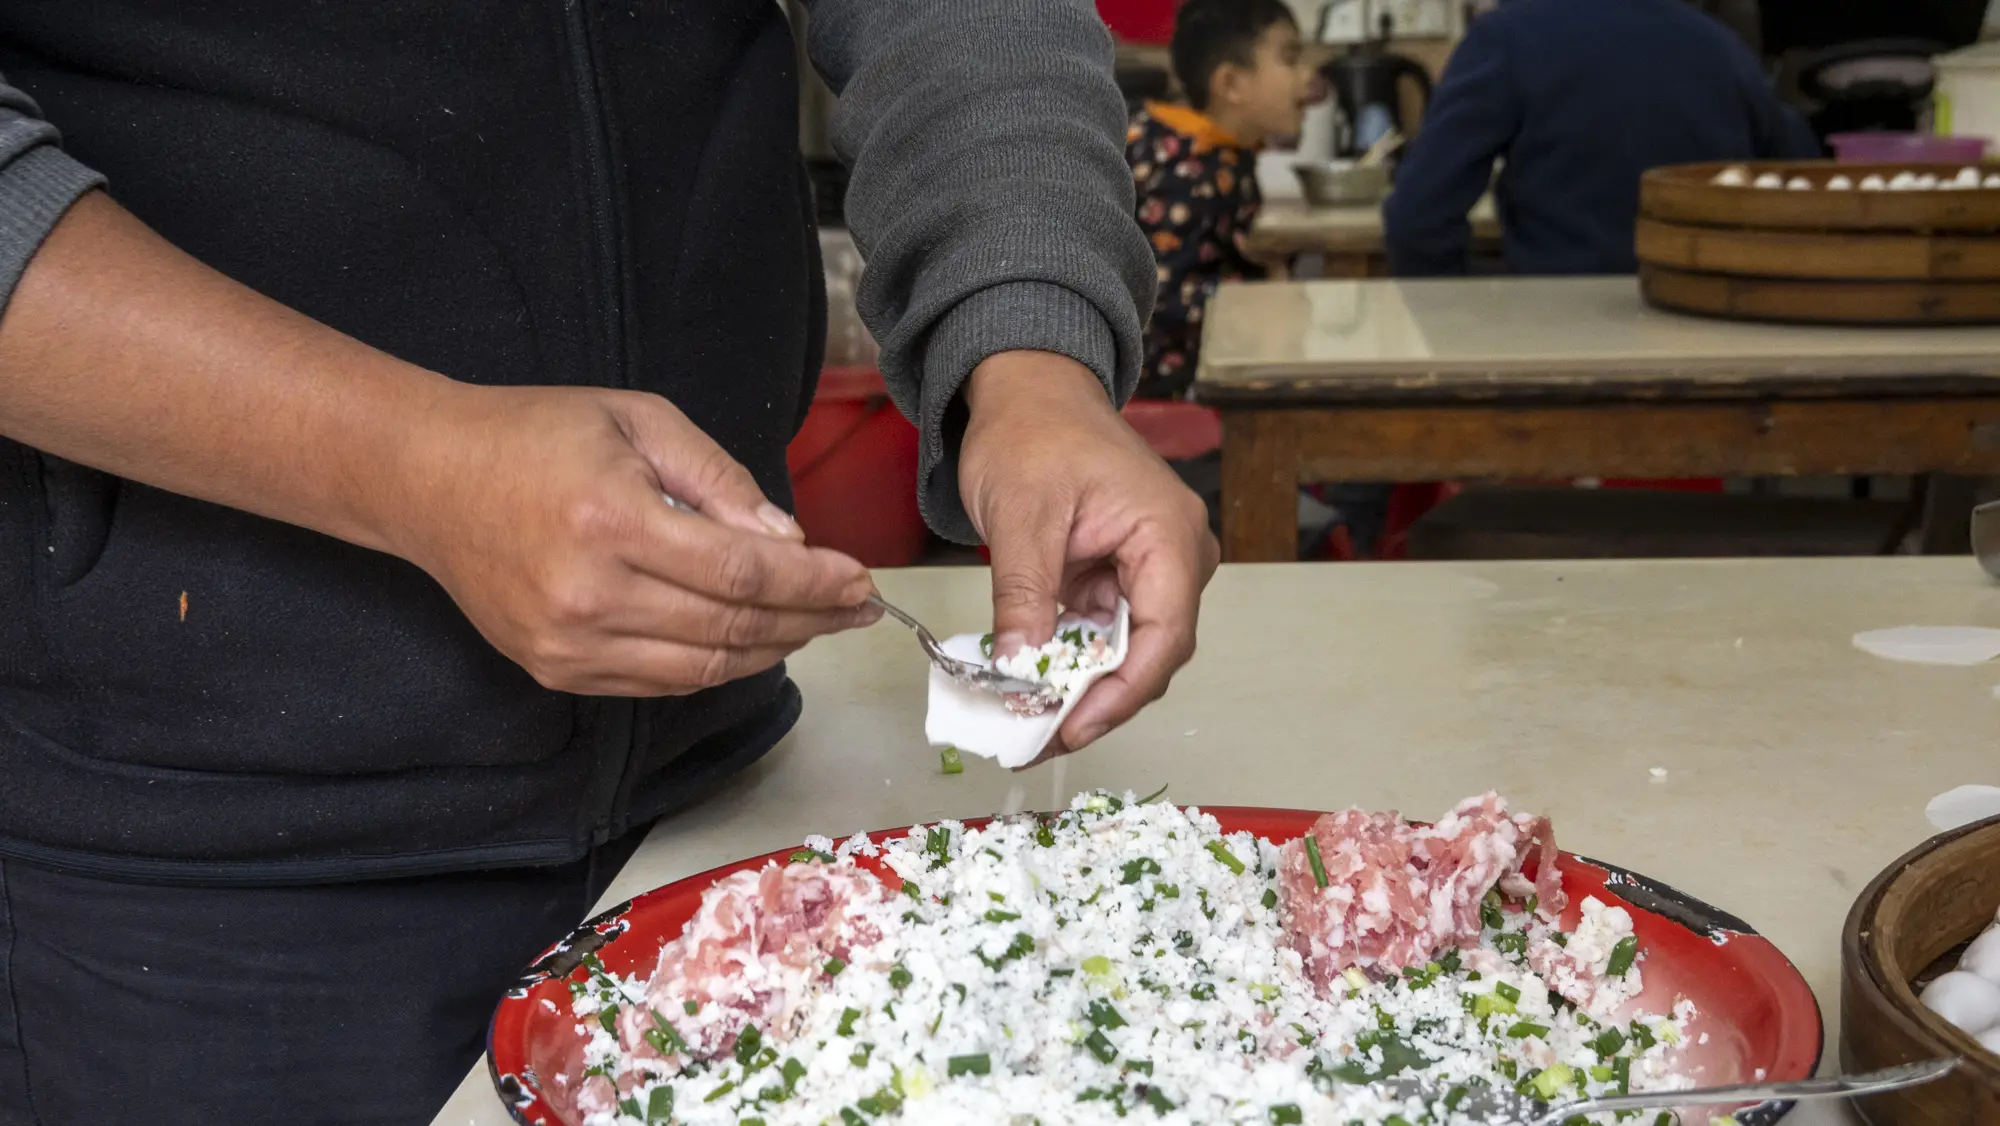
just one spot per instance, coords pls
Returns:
(38, 182)
(989, 197)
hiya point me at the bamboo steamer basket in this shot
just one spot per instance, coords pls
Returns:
(1908, 927)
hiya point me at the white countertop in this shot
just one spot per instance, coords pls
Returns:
(1797, 766)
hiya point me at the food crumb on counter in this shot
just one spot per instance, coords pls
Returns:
(1659, 773)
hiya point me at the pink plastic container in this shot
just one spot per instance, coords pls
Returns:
(1912, 148)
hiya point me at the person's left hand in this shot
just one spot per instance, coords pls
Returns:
(1077, 510)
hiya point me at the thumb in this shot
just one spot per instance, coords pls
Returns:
(1028, 543)
(693, 469)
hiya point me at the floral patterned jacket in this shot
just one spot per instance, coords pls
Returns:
(1197, 189)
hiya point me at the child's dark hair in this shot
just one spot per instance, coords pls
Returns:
(1208, 33)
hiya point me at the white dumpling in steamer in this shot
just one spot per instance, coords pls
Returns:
(1983, 956)
(1990, 1040)
(1965, 1000)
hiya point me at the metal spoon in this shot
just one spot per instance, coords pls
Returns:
(1034, 696)
(1504, 1105)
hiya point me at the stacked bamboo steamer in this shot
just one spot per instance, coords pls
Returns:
(1828, 244)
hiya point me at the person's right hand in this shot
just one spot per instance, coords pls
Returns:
(539, 509)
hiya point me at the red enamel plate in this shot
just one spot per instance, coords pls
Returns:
(1756, 1015)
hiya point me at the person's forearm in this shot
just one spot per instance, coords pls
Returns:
(120, 352)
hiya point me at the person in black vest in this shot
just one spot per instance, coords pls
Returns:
(1576, 98)
(345, 353)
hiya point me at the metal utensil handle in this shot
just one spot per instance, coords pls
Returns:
(893, 612)
(1874, 1082)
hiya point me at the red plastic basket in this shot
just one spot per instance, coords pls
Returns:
(1139, 21)
(854, 471)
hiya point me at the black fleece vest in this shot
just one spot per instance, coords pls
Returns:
(601, 192)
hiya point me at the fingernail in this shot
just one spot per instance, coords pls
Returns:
(867, 614)
(1088, 734)
(779, 521)
(1008, 644)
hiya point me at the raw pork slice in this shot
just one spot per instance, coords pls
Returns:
(1397, 895)
(753, 953)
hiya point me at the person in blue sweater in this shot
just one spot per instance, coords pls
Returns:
(1577, 98)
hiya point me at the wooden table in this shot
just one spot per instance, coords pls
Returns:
(1348, 240)
(1555, 378)
(1796, 766)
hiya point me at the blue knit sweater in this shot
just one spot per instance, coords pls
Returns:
(1578, 97)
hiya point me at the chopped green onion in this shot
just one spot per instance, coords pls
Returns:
(899, 978)
(808, 855)
(1100, 1047)
(660, 1105)
(691, 1007)
(1270, 899)
(1287, 1114)
(747, 1043)
(847, 1019)
(720, 1091)
(1525, 1029)
(1157, 1100)
(1553, 1080)
(1507, 991)
(998, 916)
(629, 1106)
(986, 646)
(1621, 1073)
(608, 1017)
(950, 761)
(1510, 942)
(1103, 1014)
(1608, 1044)
(1489, 911)
(1043, 836)
(1623, 955)
(1156, 795)
(1221, 852)
(1312, 858)
(834, 966)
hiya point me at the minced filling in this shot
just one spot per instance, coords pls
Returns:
(1119, 960)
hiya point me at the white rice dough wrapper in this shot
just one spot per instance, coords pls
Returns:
(1932, 645)
(978, 722)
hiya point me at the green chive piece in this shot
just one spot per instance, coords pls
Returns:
(660, 1105)
(1221, 852)
(1287, 1114)
(1103, 1014)
(899, 978)
(1270, 899)
(1508, 992)
(1312, 857)
(1156, 795)
(950, 761)
(1623, 955)
(1608, 1044)
(1527, 1028)
(847, 1019)
(1100, 1046)
(834, 966)
(1489, 911)
(691, 1007)
(998, 916)
(977, 1064)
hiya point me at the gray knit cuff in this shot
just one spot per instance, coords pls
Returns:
(36, 188)
(1033, 315)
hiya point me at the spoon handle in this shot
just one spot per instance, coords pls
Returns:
(1868, 1083)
